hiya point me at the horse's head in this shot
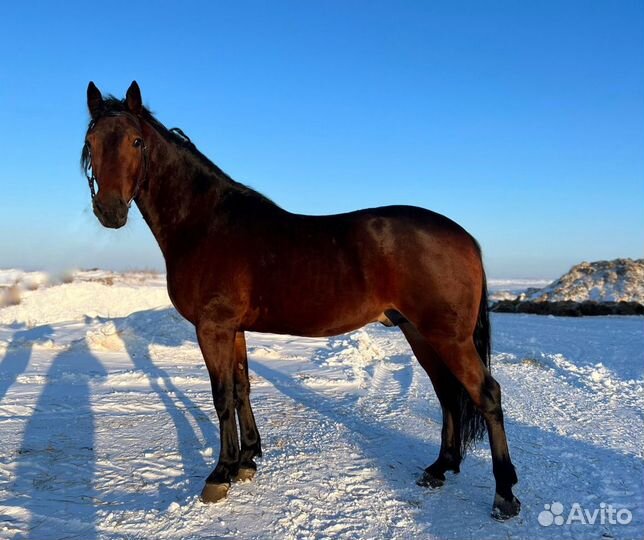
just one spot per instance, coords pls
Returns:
(114, 155)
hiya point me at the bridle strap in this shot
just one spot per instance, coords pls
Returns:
(142, 174)
(92, 180)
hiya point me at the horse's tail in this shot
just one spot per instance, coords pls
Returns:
(472, 421)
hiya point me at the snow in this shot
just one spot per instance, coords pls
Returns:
(108, 426)
(88, 294)
(600, 281)
(509, 289)
(11, 276)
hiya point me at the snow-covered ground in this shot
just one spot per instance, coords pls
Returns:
(108, 426)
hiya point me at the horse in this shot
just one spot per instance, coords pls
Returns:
(237, 262)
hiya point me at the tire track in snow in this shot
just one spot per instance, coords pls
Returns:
(388, 388)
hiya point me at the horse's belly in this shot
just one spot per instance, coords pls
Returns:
(315, 320)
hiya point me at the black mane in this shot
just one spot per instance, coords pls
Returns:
(113, 106)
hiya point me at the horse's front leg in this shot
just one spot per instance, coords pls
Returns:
(250, 440)
(217, 344)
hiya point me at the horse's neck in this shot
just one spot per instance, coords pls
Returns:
(170, 199)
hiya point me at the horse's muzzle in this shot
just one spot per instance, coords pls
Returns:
(111, 213)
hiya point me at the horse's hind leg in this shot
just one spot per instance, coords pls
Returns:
(447, 389)
(249, 435)
(464, 362)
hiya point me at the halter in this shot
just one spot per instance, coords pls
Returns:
(92, 180)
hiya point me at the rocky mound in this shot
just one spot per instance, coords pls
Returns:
(598, 288)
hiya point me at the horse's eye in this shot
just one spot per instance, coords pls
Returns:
(137, 142)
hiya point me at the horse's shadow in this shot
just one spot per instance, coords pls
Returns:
(139, 331)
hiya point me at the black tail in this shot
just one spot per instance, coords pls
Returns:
(472, 421)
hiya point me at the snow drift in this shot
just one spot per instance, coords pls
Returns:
(598, 288)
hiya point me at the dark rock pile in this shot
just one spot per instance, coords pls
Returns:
(568, 308)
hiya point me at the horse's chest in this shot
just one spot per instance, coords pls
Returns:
(192, 289)
(182, 296)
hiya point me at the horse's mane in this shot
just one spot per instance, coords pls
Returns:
(113, 106)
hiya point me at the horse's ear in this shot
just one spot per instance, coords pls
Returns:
(94, 100)
(133, 98)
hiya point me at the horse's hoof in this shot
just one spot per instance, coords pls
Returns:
(505, 508)
(245, 474)
(430, 480)
(214, 492)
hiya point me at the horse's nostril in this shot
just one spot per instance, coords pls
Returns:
(112, 214)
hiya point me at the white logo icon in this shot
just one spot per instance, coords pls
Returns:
(552, 514)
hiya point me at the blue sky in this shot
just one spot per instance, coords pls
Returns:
(523, 121)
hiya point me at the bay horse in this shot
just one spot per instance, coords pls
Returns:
(237, 262)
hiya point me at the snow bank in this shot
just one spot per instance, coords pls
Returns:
(620, 280)
(94, 293)
(12, 276)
